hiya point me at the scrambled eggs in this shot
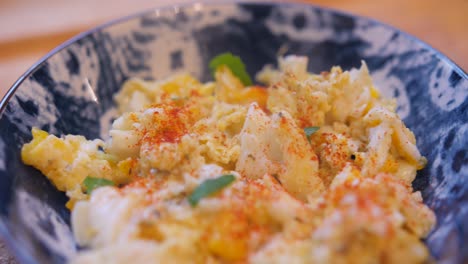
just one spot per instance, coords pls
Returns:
(319, 166)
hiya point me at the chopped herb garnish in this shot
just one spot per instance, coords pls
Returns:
(234, 63)
(251, 156)
(91, 183)
(209, 187)
(298, 219)
(276, 177)
(177, 98)
(310, 130)
(100, 148)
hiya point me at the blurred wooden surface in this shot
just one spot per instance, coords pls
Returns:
(29, 28)
(32, 28)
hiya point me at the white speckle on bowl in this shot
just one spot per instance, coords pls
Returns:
(444, 97)
(43, 100)
(88, 66)
(224, 13)
(34, 213)
(392, 87)
(174, 41)
(443, 186)
(287, 28)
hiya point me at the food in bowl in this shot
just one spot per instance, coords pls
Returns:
(312, 168)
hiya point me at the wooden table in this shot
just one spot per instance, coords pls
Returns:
(32, 28)
(29, 28)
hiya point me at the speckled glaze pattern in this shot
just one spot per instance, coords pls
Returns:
(70, 92)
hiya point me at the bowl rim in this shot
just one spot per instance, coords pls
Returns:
(13, 245)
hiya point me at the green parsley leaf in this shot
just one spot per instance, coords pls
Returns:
(234, 63)
(310, 130)
(209, 187)
(177, 98)
(91, 183)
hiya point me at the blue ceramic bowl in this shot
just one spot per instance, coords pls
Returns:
(70, 91)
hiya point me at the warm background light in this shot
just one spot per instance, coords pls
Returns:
(32, 28)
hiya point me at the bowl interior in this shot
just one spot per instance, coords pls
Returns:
(71, 91)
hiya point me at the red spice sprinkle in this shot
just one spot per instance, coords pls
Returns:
(170, 125)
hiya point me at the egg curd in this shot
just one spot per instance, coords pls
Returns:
(311, 168)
